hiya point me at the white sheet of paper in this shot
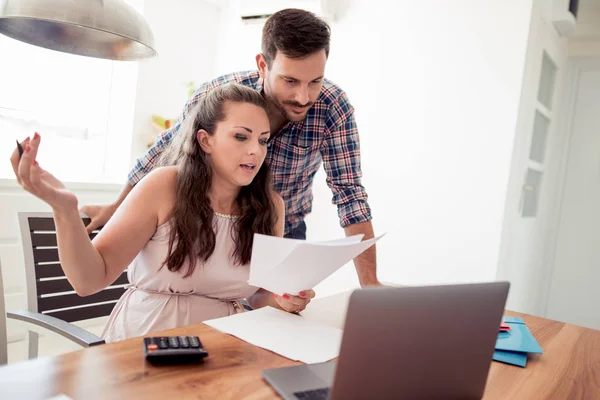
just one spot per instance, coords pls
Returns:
(346, 240)
(265, 260)
(286, 334)
(280, 248)
(290, 266)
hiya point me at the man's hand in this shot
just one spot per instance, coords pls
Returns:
(99, 215)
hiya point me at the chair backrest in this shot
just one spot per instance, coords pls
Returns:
(3, 338)
(48, 290)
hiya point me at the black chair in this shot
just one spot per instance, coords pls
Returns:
(51, 300)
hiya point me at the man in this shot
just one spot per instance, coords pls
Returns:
(312, 122)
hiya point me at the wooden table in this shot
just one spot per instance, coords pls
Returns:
(568, 369)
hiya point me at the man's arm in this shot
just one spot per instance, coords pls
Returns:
(341, 160)
(100, 214)
(365, 263)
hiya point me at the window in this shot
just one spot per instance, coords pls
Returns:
(547, 81)
(541, 125)
(533, 180)
(83, 108)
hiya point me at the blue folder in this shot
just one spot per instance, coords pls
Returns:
(513, 346)
(511, 357)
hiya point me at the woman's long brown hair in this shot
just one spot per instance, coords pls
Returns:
(192, 226)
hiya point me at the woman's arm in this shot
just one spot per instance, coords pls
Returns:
(92, 266)
(125, 234)
(264, 297)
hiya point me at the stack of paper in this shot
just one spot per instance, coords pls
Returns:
(290, 266)
(286, 334)
(514, 344)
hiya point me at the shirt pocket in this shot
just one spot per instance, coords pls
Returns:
(290, 169)
(294, 161)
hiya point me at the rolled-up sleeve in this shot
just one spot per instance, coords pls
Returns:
(341, 159)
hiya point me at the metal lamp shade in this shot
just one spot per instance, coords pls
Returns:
(109, 29)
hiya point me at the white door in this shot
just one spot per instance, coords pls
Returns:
(574, 294)
(535, 169)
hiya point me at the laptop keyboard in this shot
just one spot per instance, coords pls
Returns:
(317, 394)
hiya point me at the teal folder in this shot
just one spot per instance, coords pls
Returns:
(510, 357)
(513, 346)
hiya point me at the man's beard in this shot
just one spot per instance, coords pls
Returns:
(280, 105)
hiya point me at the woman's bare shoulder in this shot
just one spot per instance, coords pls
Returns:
(160, 186)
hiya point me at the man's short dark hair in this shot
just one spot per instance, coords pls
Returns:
(296, 33)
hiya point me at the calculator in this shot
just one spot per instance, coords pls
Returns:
(173, 349)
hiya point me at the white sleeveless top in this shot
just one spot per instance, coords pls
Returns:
(158, 299)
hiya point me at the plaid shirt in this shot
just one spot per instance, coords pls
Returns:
(328, 134)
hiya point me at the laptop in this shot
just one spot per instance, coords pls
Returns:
(425, 342)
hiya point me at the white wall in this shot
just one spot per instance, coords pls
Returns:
(185, 33)
(436, 86)
(589, 47)
(574, 294)
(238, 42)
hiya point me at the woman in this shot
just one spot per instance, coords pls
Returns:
(185, 230)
